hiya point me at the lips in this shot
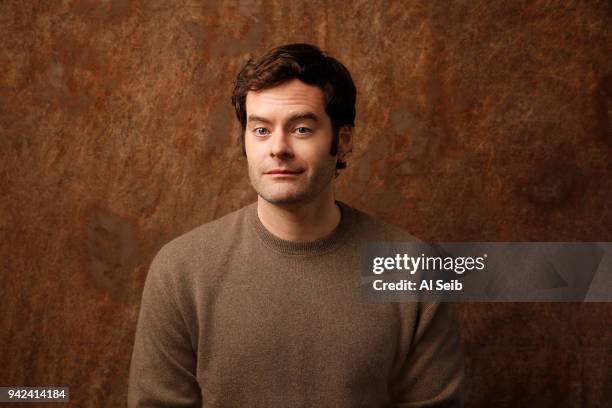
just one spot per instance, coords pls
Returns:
(284, 171)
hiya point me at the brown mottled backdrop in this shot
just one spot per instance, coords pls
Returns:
(477, 120)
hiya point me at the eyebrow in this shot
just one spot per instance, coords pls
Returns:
(293, 118)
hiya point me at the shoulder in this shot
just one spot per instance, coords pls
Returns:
(205, 242)
(370, 228)
(211, 233)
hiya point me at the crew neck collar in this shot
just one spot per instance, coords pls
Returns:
(316, 247)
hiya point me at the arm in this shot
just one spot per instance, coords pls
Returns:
(163, 364)
(431, 374)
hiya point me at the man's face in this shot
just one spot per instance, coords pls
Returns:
(288, 137)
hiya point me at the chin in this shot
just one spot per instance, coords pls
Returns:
(284, 198)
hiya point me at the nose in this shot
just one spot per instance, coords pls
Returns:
(281, 146)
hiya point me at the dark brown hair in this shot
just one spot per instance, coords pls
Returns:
(310, 65)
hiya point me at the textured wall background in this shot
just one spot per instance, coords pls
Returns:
(477, 120)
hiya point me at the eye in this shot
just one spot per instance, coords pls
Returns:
(260, 131)
(302, 130)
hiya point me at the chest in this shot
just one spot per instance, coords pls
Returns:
(294, 326)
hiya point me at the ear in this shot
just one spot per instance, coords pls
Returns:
(345, 141)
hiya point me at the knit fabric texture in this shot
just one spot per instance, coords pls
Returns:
(233, 316)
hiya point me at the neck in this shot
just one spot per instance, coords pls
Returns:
(300, 222)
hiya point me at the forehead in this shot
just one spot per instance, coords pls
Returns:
(286, 97)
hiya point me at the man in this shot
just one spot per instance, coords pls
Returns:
(262, 307)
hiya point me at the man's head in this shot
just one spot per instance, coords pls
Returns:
(296, 107)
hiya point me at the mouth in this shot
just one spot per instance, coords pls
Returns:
(283, 172)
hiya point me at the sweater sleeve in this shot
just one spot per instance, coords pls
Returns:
(431, 374)
(163, 365)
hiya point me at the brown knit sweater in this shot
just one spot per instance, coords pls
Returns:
(233, 316)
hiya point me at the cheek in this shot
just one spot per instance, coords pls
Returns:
(314, 148)
(248, 145)
(319, 153)
(253, 150)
